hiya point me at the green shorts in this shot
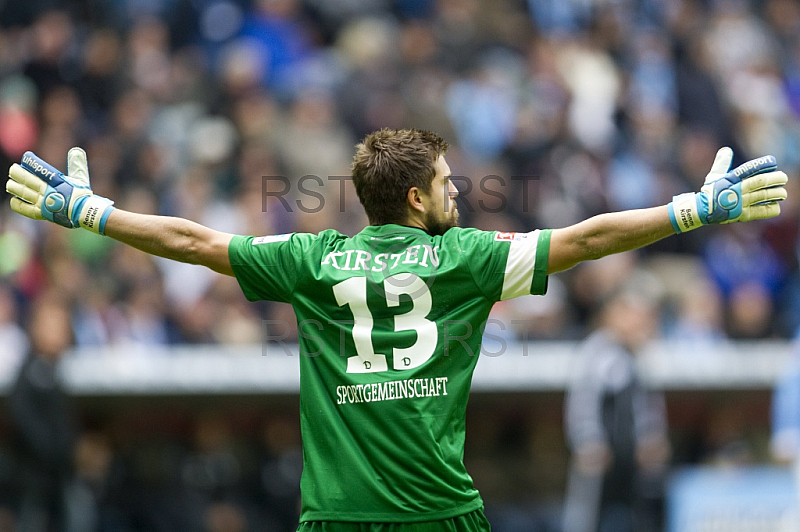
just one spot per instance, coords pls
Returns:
(471, 522)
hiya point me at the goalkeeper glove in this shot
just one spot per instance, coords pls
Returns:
(748, 192)
(41, 192)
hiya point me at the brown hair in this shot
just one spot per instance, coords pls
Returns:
(387, 164)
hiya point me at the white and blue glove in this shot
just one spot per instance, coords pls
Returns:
(41, 192)
(748, 192)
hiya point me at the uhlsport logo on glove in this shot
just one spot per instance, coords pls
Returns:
(38, 167)
(54, 202)
(728, 199)
(750, 191)
(768, 161)
(42, 192)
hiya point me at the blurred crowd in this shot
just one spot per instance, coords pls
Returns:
(243, 114)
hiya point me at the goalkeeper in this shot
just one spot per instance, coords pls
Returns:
(389, 318)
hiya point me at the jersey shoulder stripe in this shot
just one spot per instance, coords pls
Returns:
(526, 265)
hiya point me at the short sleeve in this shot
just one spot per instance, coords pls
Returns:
(507, 265)
(525, 270)
(267, 266)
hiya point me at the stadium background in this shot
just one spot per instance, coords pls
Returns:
(556, 109)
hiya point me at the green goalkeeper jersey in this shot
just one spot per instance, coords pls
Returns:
(390, 324)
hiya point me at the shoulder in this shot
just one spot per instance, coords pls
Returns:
(286, 240)
(467, 234)
(470, 239)
(464, 237)
(328, 235)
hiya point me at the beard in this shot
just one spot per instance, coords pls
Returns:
(437, 224)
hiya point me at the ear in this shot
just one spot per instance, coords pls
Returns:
(414, 199)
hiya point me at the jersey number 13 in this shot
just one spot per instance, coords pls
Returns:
(353, 292)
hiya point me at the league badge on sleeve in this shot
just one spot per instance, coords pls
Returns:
(501, 236)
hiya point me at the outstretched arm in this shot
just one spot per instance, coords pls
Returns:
(749, 192)
(171, 238)
(40, 192)
(606, 234)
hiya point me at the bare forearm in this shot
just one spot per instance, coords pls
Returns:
(616, 232)
(607, 234)
(172, 238)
